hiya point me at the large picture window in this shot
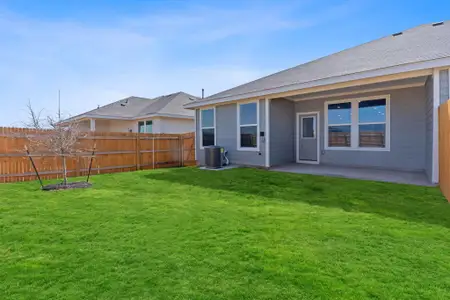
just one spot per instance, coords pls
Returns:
(208, 127)
(248, 126)
(358, 124)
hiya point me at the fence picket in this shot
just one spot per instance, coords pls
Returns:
(115, 152)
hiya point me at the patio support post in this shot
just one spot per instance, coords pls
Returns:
(436, 103)
(92, 124)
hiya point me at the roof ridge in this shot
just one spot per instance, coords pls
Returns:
(156, 99)
(171, 97)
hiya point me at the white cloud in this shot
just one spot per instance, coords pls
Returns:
(96, 63)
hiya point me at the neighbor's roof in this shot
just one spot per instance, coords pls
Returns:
(138, 107)
(419, 44)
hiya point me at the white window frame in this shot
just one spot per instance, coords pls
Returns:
(354, 125)
(145, 126)
(239, 125)
(207, 127)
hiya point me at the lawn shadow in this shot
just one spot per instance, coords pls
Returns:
(399, 201)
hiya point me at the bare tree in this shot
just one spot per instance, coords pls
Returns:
(61, 139)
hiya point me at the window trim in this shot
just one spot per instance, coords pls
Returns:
(145, 125)
(208, 127)
(238, 127)
(354, 125)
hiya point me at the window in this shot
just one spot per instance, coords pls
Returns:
(358, 124)
(208, 127)
(372, 123)
(145, 126)
(308, 127)
(339, 124)
(141, 126)
(248, 126)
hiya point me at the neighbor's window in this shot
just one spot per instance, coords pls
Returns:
(248, 125)
(339, 124)
(145, 126)
(358, 124)
(207, 123)
(141, 126)
(148, 126)
(372, 123)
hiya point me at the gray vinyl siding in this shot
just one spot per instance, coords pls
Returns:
(282, 132)
(429, 128)
(407, 133)
(227, 137)
(200, 155)
(443, 86)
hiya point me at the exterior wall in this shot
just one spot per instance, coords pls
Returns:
(122, 126)
(85, 126)
(443, 86)
(174, 125)
(160, 125)
(226, 136)
(102, 125)
(429, 128)
(282, 132)
(407, 151)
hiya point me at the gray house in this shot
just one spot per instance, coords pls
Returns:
(373, 106)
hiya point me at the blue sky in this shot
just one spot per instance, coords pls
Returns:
(99, 51)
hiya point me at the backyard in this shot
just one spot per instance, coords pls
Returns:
(235, 234)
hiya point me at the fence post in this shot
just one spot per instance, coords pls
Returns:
(138, 152)
(77, 166)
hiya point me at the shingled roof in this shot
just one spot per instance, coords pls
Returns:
(423, 43)
(137, 107)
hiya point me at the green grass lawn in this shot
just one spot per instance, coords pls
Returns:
(235, 234)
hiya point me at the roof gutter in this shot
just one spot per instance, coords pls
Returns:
(405, 68)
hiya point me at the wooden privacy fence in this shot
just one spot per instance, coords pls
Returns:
(115, 152)
(444, 149)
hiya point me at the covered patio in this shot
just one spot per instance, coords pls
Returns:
(415, 178)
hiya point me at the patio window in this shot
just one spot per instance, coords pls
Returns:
(145, 126)
(208, 127)
(339, 124)
(248, 126)
(358, 124)
(372, 123)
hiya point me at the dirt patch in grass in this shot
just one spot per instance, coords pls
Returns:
(70, 185)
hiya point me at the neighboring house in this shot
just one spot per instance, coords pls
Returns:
(164, 114)
(374, 106)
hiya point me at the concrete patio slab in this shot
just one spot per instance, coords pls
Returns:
(415, 178)
(220, 169)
